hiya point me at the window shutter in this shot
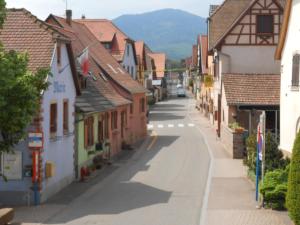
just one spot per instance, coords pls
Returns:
(296, 71)
(85, 133)
(92, 130)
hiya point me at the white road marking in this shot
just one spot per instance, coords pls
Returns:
(191, 125)
(170, 125)
(160, 126)
(150, 126)
(180, 125)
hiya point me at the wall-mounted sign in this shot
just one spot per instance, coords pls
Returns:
(59, 88)
(12, 165)
(35, 140)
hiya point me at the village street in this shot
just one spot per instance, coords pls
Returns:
(162, 183)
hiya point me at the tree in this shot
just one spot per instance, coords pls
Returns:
(20, 91)
(293, 193)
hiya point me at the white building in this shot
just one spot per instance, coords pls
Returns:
(46, 49)
(288, 52)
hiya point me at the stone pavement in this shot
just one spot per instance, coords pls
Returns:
(231, 199)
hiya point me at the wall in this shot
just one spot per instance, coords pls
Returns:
(128, 60)
(252, 59)
(233, 142)
(290, 100)
(60, 150)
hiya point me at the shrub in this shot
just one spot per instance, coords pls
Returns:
(293, 193)
(274, 158)
(274, 188)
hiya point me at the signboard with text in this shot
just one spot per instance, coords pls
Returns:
(35, 140)
(12, 165)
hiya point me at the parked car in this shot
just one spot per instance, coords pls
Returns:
(180, 92)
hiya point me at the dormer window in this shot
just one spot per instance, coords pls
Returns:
(265, 24)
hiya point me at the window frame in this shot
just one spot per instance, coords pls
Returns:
(66, 116)
(89, 132)
(258, 32)
(295, 71)
(53, 124)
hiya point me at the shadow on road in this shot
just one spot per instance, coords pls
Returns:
(116, 194)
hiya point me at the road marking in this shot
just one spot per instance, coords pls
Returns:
(170, 125)
(180, 125)
(191, 125)
(150, 126)
(154, 135)
(160, 126)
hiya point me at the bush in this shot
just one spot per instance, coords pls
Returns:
(293, 193)
(274, 158)
(274, 188)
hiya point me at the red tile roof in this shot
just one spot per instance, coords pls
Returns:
(160, 63)
(106, 31)
(105, 61)
(252, 89)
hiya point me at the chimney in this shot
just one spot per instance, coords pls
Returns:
(69, 16)
(83, 16)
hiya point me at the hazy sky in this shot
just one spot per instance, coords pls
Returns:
(109, 8)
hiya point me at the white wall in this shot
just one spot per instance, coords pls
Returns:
(252, 59)
(61, 150)
(128, 60)
(290, 100)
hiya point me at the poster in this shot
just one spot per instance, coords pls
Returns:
(12, 165)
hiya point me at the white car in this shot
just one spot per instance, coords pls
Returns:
(180, 92)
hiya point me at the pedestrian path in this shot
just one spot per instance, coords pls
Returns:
(231, 197)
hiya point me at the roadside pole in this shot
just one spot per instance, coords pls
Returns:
(263, 122)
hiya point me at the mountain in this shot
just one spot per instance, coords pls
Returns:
(171, 31)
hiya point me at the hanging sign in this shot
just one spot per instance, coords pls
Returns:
(35, 140)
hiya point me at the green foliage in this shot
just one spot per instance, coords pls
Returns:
(20, 92)
(274, 188)
(2, 12)
(274, 158)
(293, 194)
(191, 83)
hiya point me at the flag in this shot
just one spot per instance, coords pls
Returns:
(84, 61)
(259, 143)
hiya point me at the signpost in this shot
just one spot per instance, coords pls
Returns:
(36, 143)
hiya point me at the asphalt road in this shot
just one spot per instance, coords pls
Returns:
(162, 184)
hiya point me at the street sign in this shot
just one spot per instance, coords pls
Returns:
(35, 140)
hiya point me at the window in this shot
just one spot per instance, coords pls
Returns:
(128, 50)
(107, 45)
(128, 70)
(296, 70)
(142, 105)
(53, 118)
(89, 132)
(132, 71)
(66, 116)
(265, 24)
(114, 120)
(100, 131)
(131, 108)
(106, 128)
(58, 50)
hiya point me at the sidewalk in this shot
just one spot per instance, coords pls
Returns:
(231, 199)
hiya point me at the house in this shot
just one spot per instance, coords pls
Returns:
(288, 51)
(160, 64)
(116, 41)
(242, 39)
(128, 122)
(46, 48)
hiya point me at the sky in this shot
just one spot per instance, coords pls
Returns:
(109, 9)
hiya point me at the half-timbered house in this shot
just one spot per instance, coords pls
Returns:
(243, 35)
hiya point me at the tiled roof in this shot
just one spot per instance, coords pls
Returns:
(160, 63)
(204, 52)
(106, 31)
(79, 39)
(24, 32)
(252, 89)
(224, 16)
(104, 60)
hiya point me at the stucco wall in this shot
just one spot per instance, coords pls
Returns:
(252, 59)
(60, 150)
(128, 60)
(290, 100)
